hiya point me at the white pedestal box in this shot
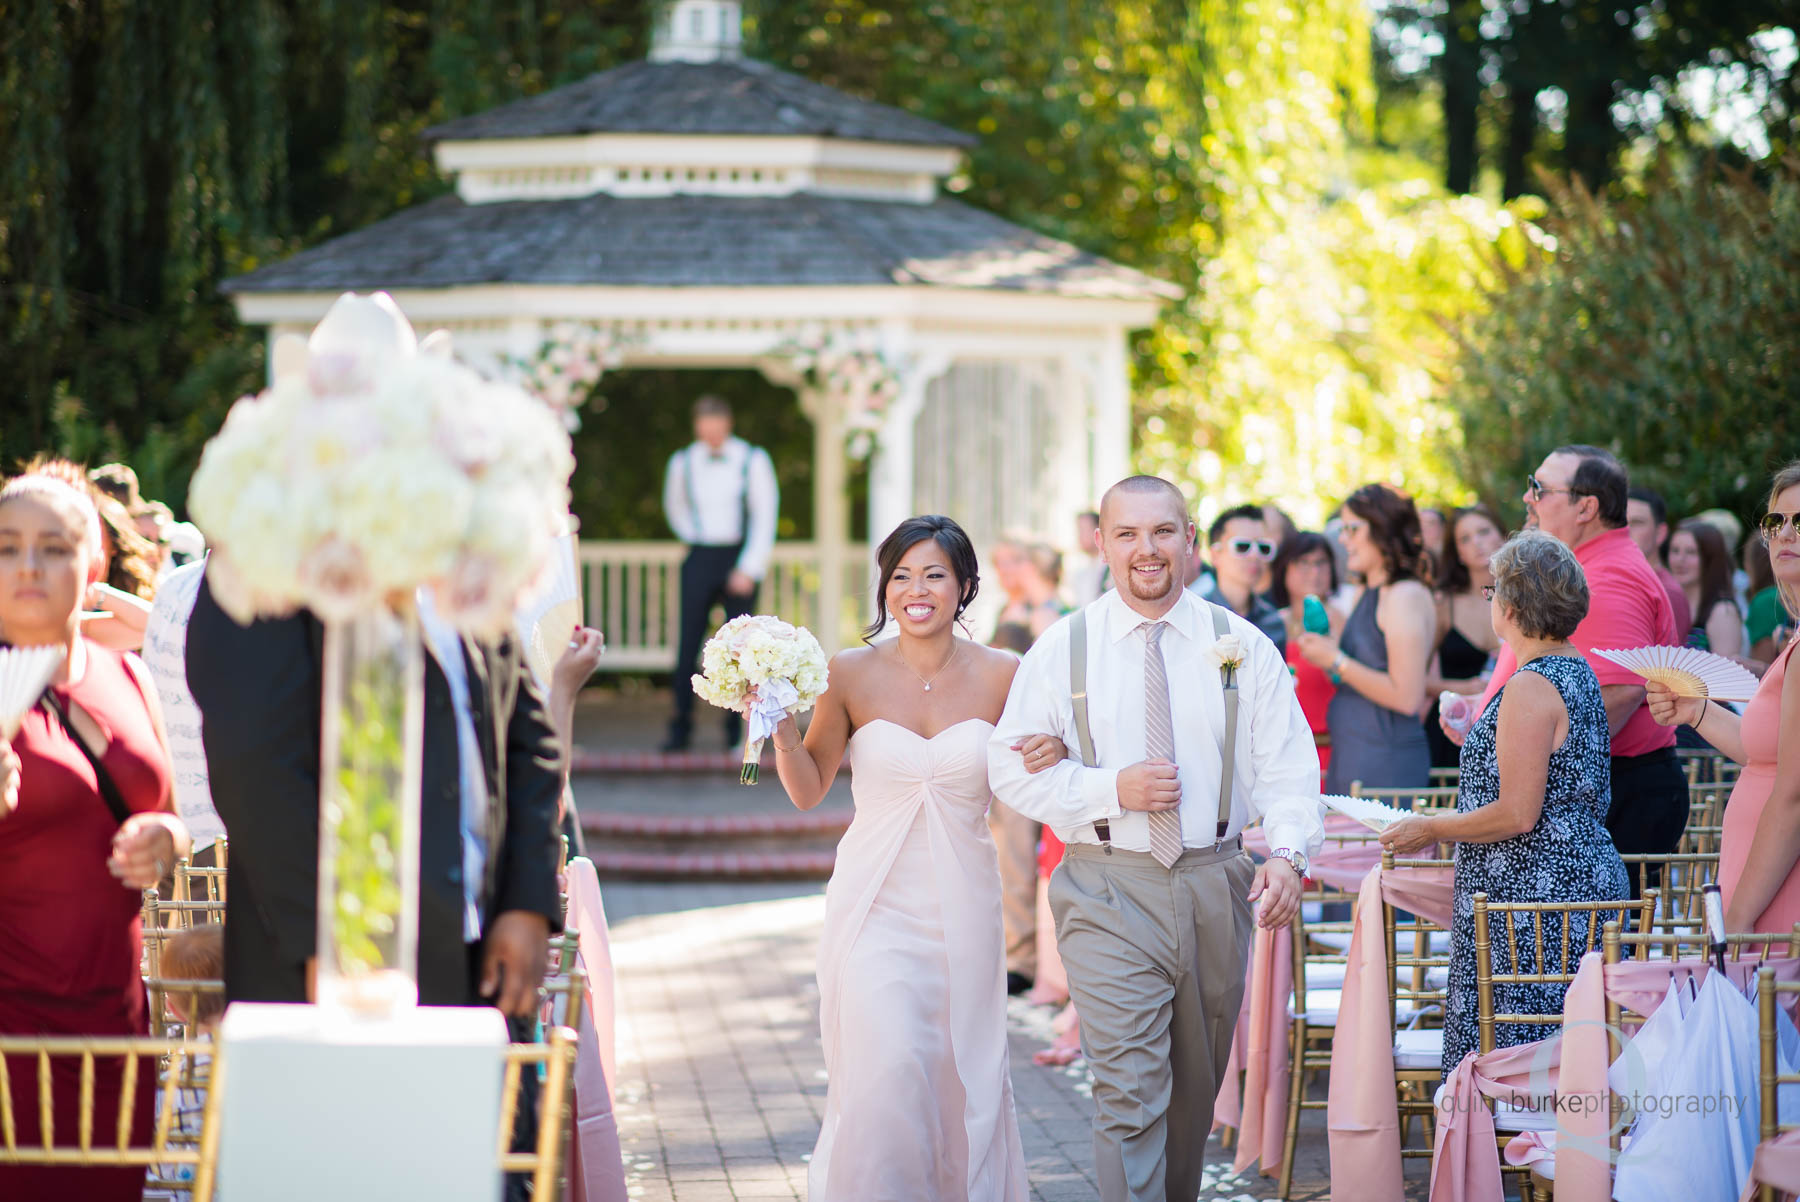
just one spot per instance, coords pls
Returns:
(322, 1105)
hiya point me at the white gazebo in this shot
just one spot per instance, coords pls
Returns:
(704, 210)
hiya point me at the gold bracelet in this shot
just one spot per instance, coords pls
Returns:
(796, 747)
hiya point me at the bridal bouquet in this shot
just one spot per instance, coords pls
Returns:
(373, 465)
(783, 663)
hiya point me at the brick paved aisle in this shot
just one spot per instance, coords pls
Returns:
(721, 1081)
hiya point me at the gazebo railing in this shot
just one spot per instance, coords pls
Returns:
(632, 592)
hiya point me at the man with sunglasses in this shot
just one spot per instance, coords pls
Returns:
(1240, 548)
(1579, 495)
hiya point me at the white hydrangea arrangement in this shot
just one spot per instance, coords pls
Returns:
(783, 663)
(374, 465)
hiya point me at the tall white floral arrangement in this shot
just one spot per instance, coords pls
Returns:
(374, 465)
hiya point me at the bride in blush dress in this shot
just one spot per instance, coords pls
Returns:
(912, 974)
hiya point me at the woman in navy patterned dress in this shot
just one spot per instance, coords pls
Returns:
(1530, 821)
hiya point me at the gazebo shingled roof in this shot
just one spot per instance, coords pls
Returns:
(701, 209)
(802, 239)
(727, 97)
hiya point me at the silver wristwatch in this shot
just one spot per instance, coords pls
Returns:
(1296, 859)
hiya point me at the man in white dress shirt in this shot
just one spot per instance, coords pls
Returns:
(721, 498)
(1153, 899)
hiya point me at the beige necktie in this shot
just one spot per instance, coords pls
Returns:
(1159, 742)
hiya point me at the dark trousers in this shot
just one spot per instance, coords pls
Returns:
(703, 576)
(1649, 810)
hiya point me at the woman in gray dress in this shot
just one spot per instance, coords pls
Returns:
(1380, 659)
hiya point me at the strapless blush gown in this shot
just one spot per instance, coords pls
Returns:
(912, 982)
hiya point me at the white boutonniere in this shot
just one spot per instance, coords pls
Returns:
(1229, 652)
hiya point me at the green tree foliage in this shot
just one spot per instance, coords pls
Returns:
(148, 151)
(1662, 327)
(1568, 85)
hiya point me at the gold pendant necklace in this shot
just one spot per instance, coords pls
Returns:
(954, 648)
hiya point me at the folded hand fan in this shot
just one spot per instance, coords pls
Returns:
(1687, 671)
(24, 671)
(1375, 815)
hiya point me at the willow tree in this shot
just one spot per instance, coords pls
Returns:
(148, 151)
(1311, 356)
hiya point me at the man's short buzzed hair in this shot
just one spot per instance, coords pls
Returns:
(712, 406)
(1141, 485)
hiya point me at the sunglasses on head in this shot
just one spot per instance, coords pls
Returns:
(1774, 522)
(1259, 546)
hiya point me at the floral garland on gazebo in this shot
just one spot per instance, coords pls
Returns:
(568, 363)
(849, 370)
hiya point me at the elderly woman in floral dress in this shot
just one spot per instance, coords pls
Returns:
(1530, 821)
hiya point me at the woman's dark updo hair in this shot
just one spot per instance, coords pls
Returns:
(909, 534)
(1301, 542)
(1394, 529)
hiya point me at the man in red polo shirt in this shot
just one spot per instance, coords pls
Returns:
(1578, 496)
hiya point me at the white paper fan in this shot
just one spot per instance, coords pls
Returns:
(551, 616)
(24, 671)
(1375, 815)
(1687, 671)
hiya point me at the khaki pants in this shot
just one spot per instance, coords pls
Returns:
(1156, 961)
(1016, 840)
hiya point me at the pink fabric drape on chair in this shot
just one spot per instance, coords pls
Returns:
(596, 1166)
(1260, 1048)
(1362, 1107)
(1466, 1165)
(1777, 1164)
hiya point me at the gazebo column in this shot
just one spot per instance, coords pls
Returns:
(831, 512)
(1112, 412)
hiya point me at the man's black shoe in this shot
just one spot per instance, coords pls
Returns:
(677, 741)
(1016, 983)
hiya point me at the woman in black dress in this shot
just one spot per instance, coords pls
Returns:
(1466, 641)
(1536, 783)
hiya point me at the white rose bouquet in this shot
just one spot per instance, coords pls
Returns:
(784, 664)
(375, 464)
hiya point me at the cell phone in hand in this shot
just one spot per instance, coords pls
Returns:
(1313, 618)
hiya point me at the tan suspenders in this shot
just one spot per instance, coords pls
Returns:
(1078, 698)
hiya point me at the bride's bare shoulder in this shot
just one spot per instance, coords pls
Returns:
(993, 663)
(853, 661)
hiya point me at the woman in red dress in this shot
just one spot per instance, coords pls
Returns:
(86, 823)
(1305, 567)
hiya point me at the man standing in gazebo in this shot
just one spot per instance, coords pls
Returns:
(721, 498)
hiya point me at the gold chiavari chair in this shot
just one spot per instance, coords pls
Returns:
(1424, 798)
(1320, 953)
(1617, 944)
(167, 1061)
(162, 920)
(1643, 944)
(1679, 880)
(1706, 804)
(1768, 1076)
(1419, 970)
(546, 1162)
(1704, 766)
(1552, 959)
(1445, 778)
